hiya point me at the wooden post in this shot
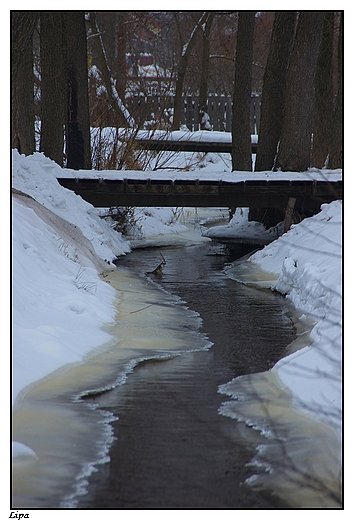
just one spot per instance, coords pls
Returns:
(289, 213)
(212, 112)
(189, 113)
(195, 104)
(228, 114)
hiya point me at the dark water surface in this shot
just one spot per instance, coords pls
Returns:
(173, 449)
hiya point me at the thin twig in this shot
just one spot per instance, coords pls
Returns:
(133, 312)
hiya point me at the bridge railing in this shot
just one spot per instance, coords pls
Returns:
(199, 141)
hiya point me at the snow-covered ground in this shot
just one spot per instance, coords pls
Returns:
(305, 264)
(240, 228)
(204, 136)
(61, 245)
(308, 262)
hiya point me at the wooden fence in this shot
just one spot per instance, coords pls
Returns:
(159, 108)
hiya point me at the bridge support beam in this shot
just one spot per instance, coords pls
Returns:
(289, 213)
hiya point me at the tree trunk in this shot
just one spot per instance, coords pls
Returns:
(120, 53)
(177, 103)
(336, 148)
(23, 102)
(273, 91)
(181, 72)
(78, 148)
(204, 79)
(53, 85)
(323, 107)
(23, 24)
(295, 143)
(241, 132)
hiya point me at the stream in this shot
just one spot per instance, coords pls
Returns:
(179, 410)
(173, 449)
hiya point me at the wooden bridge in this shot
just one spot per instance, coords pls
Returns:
(108, 191)
(187, 145)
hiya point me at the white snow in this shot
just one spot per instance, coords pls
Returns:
(308, 262)
(36, 176)
(240, 228)
(215, 173)
(199, 136)
(21, 450)
(61, 245)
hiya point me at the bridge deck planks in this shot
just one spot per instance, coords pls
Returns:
(204, 193)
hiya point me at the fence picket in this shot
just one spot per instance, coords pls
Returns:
(219, 110)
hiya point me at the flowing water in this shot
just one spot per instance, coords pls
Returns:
(173, 448)
(139, 424)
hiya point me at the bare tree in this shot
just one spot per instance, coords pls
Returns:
(53, 85)
(120, 53)
(241, 139)
(295, 143)
(272, 107)
(323, 106)
(273, 91)
(23, 23)
(78, 148)
(182, 69)
(22, 26)
(204, 79)
(336, 147)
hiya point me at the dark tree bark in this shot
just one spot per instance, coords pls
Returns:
(241, 132)
(120, 53)
(323, 107)
(181, 72)
(23, 24)
(23, 102)
(273, 91)
(295, 143)
(53, 85)
(78, 122)
(203, 89)
(336, 147)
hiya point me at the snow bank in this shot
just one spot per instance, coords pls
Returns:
(59, 307)
(307, 260)
(240, 228)
(37, 175)
(60, 244)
